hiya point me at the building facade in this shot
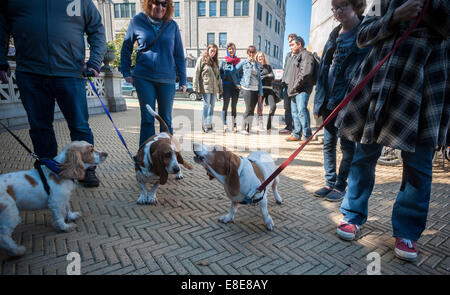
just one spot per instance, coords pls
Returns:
(243, 22)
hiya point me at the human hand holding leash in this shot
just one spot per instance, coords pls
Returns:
(408, 11)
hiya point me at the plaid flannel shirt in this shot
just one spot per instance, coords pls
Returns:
(407, 101)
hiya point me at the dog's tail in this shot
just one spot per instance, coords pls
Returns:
(158, 117)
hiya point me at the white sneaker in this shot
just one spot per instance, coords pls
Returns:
(225, 129)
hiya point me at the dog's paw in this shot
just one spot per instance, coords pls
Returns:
(179, 177)
(279, 201)
(72, 216)
(225, 219)
(269, 224)
(142, 200)
(152, 200)
(68, 227)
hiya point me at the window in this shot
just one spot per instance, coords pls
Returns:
(201, 8)
(267, 18)
(212, 8)
(223, 8)
(277, 26)
(210, 38)
(177, 9)
(259, 43)
(270, 21)
(275, 51)
(259, 12)
(241, 7)
(124, 10)
(279, 3)
(268, 48)
(265, 46)
(222, 40)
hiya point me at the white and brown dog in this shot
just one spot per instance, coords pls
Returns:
(158, 156)
(240, 177)
(24, 190)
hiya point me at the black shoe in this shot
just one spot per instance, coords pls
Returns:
(90, 179)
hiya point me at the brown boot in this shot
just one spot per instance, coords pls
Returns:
(292, 138)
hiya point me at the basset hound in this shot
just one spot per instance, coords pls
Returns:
(157, 157)
(240, 177)
(24, 190)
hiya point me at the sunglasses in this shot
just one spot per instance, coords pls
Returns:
(160, 3)
(341, 7)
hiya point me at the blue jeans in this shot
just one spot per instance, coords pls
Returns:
(410, 211)
(337, 181)
(209, 100)
(300, 115)
(150, 92)
(38, 95)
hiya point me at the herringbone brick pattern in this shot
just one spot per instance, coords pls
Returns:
(116, 236)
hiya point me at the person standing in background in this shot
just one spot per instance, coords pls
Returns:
(208, 83)
(269, 96)
(230, 79)
(252, 87)
(160, 57)
(284, 85)
(301, 82)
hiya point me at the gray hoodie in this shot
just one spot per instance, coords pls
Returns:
(49, 36)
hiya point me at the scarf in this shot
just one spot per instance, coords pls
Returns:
(233, 60)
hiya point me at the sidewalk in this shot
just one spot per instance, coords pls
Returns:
(116, 236)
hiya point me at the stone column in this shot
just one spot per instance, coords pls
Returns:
(113, 91)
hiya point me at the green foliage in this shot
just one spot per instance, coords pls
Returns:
(116, 44)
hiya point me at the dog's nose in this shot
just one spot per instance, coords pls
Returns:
(176, 169)
(104, 154)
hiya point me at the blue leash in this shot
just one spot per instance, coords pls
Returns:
(89, 75)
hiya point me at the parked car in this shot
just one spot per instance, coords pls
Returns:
(128, 89)
(190, 93)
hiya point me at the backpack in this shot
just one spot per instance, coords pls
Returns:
(315, 75)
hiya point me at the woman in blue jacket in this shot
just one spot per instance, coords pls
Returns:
(156, 64)
(251, 85)
(340, 59)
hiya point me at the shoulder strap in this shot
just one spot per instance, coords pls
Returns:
(163, 26)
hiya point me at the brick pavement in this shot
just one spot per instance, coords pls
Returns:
(116, 236)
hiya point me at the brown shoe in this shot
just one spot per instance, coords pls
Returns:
(292, 138)
(302, 141)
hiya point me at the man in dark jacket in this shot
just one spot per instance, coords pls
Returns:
(50, 54)
(284, 84)
(299, 88)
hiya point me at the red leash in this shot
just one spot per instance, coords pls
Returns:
(346, 100)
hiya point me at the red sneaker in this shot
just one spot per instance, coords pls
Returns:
(347, 231)
(405, 249)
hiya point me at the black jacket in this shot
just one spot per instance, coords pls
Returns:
(302, 72)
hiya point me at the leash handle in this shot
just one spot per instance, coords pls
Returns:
(110, 118)
(347, 99)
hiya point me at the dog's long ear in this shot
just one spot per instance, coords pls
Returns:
(159, 167)
(181, 161)
(233, 182)
(73, 166)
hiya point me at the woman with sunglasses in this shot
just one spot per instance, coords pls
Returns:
(251, 85)
(160, 57)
